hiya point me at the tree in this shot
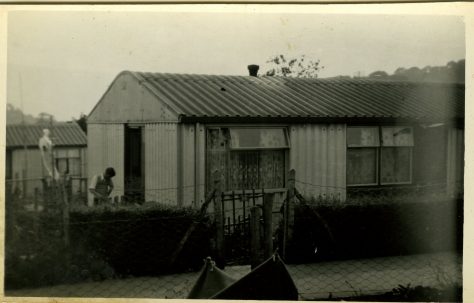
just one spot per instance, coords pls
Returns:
(45, 118)
(299, 67)
(378, 75)
(82, 121)
(451, 72)
(16, 116)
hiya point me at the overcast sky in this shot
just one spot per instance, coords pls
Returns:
(62, 62)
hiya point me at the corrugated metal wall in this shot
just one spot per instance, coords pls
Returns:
(161, 156)
(455, 164)
(188, 185)
(127, 101)
(34, 168)
(200, 174)
(29, 167)
(318, 154)
(105, 144)
(83, 155)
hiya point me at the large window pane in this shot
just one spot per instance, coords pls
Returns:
(361, 166)
(75, 167)
(397, 136)
(73, 153)
(258, 138)
(60, 153)
(362, 136)
(256, 169)
(216, 154)
(272, 169)
(62, 166)
(243, 170)
(395, 165)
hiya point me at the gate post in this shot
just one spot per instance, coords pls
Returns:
(268, 224)
(255, 243)
(218, 219)
(289, 212)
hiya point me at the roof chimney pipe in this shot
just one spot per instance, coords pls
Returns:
(253, 70)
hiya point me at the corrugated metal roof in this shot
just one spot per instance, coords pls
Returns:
(62, 134)
(254, 97)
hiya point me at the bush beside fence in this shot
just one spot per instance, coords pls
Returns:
(363, 231)
(105, 242)
(140, 240)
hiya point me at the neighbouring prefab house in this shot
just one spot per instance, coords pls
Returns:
(24, 167)
(165, 134)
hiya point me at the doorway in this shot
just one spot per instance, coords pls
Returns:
(134, 177)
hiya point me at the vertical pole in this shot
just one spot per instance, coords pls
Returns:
(253, 196)
(53, 181)
(65, 215)
(23, 182)
(25, 148)
(255, 247)
(243, 203)
(289, 212)
(233, 208)
(220, 261)
(36, 198)
(268, 224)
(36, 214)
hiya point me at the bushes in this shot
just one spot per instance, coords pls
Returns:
(374, 230)
(139, 240)
(105, 242)
(34, 250)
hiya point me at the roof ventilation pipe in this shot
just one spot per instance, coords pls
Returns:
(253, 70)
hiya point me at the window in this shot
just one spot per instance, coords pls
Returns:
(250, 158)
(68, 162)
(258, 138)
(379, 155)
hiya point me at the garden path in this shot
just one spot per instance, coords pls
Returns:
(314, 281)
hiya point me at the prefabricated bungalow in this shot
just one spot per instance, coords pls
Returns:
(24, 167)
(166, 133)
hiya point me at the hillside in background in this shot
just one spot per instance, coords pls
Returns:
(16, 116)
(451, 72)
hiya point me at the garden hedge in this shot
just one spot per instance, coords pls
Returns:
(141, 240)
(105, 242)
(374, 230)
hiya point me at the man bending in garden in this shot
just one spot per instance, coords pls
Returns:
(101, 186)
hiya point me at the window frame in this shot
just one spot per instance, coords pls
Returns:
(377, 164)
(378, 156)
(285, 134)
(68, 157)
(411, 166)
(231, 149)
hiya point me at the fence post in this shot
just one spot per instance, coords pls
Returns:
(220, 260)
(289, 212)
(255, 243)
(24, 183)
(36, 198)
(65, 209)
(192, 227)
(268, 224)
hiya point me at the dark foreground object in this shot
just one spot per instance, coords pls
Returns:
(211, 280)
(269, 281)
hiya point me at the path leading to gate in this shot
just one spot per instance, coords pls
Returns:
(314, 281)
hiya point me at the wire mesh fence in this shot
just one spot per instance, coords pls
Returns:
(148, 251)
(52, 242)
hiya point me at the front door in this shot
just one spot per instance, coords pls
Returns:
(134, 185)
